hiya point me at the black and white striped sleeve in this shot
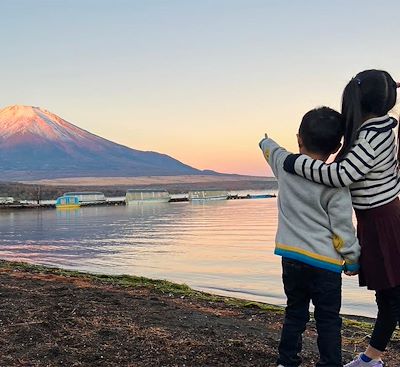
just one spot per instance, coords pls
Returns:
(358, 162)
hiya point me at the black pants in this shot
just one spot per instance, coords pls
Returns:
(388, 301)
(303, 283)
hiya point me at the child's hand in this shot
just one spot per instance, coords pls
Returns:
(351, 273)
(265, 137)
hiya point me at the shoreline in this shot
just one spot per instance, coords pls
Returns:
(114, 187)
(53, 317)
(121, 201)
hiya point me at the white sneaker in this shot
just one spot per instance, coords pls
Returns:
(281, 365)
(358, 362)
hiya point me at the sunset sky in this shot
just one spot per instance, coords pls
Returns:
(198, 80)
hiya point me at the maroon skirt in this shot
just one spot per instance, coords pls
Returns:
(378, 231)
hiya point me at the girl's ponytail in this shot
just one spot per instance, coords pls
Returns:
(352, 115)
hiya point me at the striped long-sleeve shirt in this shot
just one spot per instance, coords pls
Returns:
(370, 168)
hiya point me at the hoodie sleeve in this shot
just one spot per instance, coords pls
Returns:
(274, 154)
(344, 238)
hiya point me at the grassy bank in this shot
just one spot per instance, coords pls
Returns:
(162, 286)
(55, 317)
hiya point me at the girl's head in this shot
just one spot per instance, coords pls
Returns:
(371, 93)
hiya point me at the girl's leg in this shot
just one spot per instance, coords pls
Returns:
(388, 302)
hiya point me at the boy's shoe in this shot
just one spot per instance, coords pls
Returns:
(281, 365)
(358, 362)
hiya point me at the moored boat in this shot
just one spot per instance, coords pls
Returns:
(208, 195)
(88, 197)
(67, 202)
(261, 196)
(142, 196)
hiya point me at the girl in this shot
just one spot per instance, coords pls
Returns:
(369, 163)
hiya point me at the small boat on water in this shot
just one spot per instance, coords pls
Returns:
(67, 202)
(208, 195)
(6, 200)
(88, 197)
(143, 196)
(260, 196)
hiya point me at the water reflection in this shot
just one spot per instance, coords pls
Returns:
(224, 247)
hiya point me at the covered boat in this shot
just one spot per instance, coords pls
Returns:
(67, 202)
(138, 196)
(208, 195)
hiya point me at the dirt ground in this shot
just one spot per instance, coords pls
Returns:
(52, 320)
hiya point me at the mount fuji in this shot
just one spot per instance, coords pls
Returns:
(37, 144)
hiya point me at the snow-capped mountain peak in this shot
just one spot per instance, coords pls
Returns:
(20, 119)
(36, 143)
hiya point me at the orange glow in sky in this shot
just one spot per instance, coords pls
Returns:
(200, 81)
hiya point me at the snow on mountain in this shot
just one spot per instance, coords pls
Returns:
(35, 144)
(27, 120)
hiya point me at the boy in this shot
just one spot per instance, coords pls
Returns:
(316, 240)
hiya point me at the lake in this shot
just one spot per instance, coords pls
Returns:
(223, 247)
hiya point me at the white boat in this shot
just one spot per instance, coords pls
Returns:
(138, 196)
(88, 197)
(208, 195)
(6, 200)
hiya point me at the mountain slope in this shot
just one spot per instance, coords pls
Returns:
(37, 144)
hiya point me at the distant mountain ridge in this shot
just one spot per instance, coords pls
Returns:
(37, 144)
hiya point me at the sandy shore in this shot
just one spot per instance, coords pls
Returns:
(51, 317)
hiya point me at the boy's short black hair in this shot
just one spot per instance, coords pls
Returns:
(321, 130)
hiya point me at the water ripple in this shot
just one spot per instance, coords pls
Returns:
(223, 247)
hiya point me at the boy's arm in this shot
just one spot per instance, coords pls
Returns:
(344, 238)
(358, 162)
(274, 154)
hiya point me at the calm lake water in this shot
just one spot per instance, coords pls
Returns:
(221, 247)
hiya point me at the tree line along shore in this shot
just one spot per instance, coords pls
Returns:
(21, 191)
(55, 317)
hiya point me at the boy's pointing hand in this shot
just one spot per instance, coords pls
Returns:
(265, 137)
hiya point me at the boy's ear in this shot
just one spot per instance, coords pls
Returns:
(337, 148)
(299, 141)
